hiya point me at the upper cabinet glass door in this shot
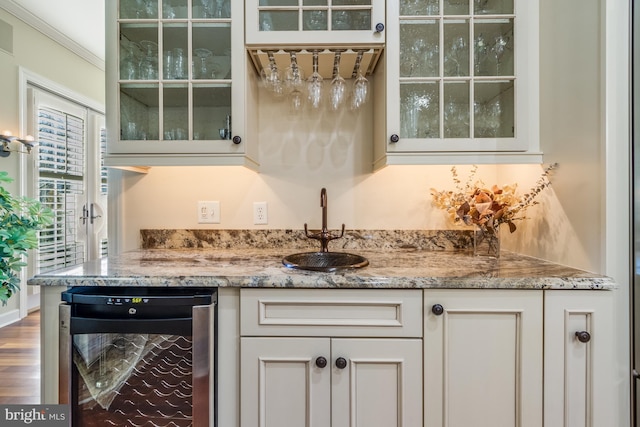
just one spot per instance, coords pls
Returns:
(317, 22)
(175, 71)
(460, 79)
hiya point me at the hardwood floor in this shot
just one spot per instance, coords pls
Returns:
(20, 361)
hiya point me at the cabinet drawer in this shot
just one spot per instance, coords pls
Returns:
(322, 312)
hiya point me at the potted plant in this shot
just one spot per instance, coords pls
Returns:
(20, 220)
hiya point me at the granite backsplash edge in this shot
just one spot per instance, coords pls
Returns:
(432, 240)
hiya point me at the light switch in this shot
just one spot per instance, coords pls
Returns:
(209, 212)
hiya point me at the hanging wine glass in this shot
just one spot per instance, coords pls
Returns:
(360, 91)
(294, 81)
(338, 84)
(271, 77)
(315, 84)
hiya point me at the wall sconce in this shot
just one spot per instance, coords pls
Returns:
(7, 139)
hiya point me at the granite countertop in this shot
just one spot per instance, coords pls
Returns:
(400, 266)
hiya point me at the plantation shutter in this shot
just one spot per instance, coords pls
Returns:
(61, 184)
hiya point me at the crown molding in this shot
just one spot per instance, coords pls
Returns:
(40, 25)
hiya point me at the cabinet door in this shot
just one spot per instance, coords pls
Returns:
(176, 79)
(281, 384)
(329, 23)
(483, 358)
(461, 78)
(380, 384)
(579, 370)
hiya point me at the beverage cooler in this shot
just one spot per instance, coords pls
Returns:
(133, 356)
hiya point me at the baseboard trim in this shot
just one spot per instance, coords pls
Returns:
(9, 317)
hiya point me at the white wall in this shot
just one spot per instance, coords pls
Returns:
(41, 56)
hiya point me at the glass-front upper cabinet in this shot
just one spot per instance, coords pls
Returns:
(178, 83)
(315, 22)
(462, 78)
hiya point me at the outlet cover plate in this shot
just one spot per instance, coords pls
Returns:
(209, 212)
(260, 213)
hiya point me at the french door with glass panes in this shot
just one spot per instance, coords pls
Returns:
(70, 180)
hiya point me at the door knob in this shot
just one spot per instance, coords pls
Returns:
(583, 336)
(341, 363)
(437, 309)
(394, 138)
(321, 362)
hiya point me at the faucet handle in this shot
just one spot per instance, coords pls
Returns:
(334, 236)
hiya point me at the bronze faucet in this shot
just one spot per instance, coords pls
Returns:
(324, 235)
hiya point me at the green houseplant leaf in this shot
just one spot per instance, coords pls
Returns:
(20, 220)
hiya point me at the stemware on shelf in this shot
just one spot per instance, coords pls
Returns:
(480, 51)
(201, 64)
(499, 48)
(338, 84)
(315, 84)
(457, 53)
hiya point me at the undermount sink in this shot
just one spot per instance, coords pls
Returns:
(324, 261)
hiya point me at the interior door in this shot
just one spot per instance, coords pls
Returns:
(67, 176)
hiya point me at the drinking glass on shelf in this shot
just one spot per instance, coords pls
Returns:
(167, 65)
(149, 61)
(201, 63)
(130, 63)
(341, 20)
(266, 23)
(207, 8)
(315, 20)
(457, 53)
(480, 51)
(480, 7)
(500, 46)
(179, 64)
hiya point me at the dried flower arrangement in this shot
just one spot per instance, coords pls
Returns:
(475, 204)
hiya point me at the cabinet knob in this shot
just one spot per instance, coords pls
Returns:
(437, 309)
(394, 138)
(341, 363)
(583, 336)
(379, 27)
(237, 140)
(321, 362)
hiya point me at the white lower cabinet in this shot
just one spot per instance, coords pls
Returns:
(480, 358)
(340, 358)
(338, 382)
(579, 367)
(483, 358)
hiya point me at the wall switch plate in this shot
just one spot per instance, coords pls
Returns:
(260, 213)
(209, 212)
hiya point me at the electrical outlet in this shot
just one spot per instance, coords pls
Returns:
(209, 212)
(260, 213)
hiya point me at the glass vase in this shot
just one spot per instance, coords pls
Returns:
(486, 241)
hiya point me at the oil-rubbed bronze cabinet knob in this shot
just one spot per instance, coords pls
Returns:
(394, 138)
(437, 309)
(583, 336)
(379, 27)
(341, 363)
(321, 362)
(237, 140)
